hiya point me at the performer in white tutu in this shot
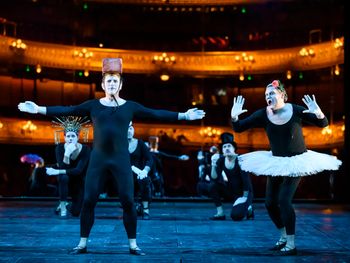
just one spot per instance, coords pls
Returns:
(288, 159)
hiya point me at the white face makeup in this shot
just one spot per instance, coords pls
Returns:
(228, 149)
(273, 97)
(71, 137)
(111, 84)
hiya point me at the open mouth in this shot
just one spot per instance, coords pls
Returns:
(269, 102)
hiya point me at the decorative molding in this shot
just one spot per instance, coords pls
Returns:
(12, 132)
(325, 55)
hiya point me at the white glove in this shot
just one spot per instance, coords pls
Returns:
(184, 157)
(240, 200)
(51, 171)
(135, 169)
(214, 158)
(194, 114)
(311, 105)
(237, 108)
(142, 175)
(69, 149)
(28, 106)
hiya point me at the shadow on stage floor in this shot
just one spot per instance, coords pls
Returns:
(177, 232)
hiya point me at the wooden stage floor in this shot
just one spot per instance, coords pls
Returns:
(177, 232)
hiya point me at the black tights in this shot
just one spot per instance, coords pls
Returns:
(279, 194)
(75, 186)
(96, 175)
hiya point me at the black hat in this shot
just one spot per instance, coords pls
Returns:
(227, 137)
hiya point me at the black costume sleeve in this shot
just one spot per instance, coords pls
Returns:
(81, 165)
(253, 121)
(77, 110)
(310, 117)
(144, 112)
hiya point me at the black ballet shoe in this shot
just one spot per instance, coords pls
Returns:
(78, 250)
(286, 251)
(137, 251)
(217, 217)
(278, 246)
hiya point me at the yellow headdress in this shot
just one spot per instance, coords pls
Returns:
(71, 124)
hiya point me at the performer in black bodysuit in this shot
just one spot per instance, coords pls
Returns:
(288, 159)
(230, 182)
(141, 163)
(110, 116)
(72, 160)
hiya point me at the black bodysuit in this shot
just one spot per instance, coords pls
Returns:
(110, 154)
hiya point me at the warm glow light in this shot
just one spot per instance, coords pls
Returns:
(38, 69)
(241, 77)
(289, 74)
(337, 70)
(164, 77)
(86, 73)
(29, 127)
(84, 53)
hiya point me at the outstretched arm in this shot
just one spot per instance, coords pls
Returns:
(144, 112)
(78, 110)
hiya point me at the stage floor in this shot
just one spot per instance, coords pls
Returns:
(177, 232)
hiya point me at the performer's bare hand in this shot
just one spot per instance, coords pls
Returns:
(28, 106)
(237, 108)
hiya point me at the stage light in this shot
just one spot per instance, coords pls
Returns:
(38, 69)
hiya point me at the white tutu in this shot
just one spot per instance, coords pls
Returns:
(307, 163)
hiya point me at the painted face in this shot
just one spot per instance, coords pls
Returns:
(71, 137)
(273, 97)
(228, 149)
(131, 132)
(111, 84)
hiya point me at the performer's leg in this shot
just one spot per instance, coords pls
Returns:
(273, 209)
(145, 191)
(240, 211)
(76, 186)
(216, 191)
(63, 181)
(125, 181)
(95, 175)
(288, 189)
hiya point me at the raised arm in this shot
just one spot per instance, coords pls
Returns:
(313, 114)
